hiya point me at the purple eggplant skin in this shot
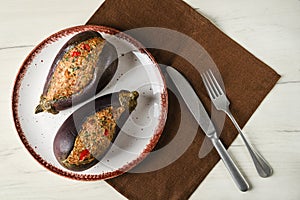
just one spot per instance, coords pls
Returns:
(67, 133)
(104, 71)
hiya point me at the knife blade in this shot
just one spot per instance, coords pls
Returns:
(198, 111)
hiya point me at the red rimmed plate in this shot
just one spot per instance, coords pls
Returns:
(137, 70)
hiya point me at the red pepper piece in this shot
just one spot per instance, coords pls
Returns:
(86, 47)
(76, 54)
(106, 132)
(84, 154)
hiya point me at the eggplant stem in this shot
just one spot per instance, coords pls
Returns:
(38, 109)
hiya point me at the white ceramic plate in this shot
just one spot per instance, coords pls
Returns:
(137, 70)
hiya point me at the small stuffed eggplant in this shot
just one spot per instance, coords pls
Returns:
(86, 135)
(81, 69)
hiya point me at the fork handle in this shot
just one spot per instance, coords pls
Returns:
(230, 165)
(262, 166)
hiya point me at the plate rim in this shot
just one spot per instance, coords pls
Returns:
(15, 100)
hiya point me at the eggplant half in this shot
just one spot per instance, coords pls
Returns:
(87, 134)
(81, 69)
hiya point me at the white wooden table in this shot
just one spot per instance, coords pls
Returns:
(269, 29)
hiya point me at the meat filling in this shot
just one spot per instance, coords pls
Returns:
(95, 136)
(75, 70)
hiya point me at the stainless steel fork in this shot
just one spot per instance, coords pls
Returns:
(221, 102)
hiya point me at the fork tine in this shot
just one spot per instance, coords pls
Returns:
(209, 89)
(216, 83)
(212, 82)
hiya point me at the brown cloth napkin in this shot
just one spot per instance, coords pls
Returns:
(247, 81)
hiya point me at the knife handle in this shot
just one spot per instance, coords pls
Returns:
(230, 165)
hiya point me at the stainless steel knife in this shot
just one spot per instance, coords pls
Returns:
(198, 111)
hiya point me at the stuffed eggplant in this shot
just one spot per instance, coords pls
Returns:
(83, 67)
(86, 135)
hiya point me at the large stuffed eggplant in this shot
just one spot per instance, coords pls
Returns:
(83, 67)
(86, 135)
